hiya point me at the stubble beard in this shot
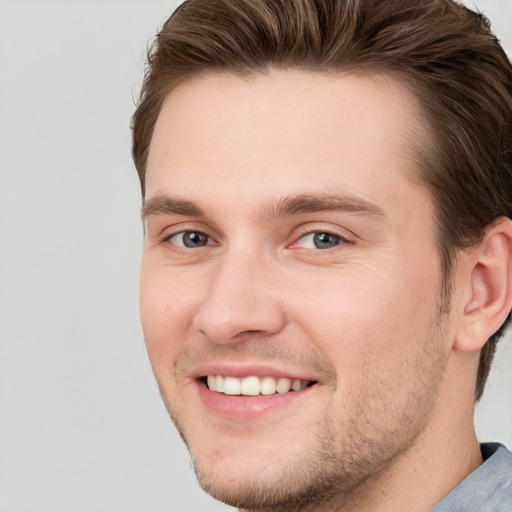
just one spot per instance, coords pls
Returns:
(346, 457)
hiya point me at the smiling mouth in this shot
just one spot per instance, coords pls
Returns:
(253, 386)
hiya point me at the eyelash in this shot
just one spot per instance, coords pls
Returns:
(168, 238)
(342, 240)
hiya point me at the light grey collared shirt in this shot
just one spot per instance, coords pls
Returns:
(488, 489)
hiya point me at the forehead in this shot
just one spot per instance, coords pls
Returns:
(295, 130)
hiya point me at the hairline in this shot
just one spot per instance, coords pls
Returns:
(419, 141)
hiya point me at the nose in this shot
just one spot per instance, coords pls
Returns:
(241, 301)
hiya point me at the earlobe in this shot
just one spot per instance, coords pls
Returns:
(490, 288)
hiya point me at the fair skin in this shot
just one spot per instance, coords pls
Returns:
(286, 237)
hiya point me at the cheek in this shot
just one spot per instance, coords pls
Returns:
(166, 313)
(364, 317)
(377, 334)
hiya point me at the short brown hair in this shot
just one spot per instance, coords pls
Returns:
(444, 52)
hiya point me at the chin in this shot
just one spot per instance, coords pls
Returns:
(277, 486)
(279, 475)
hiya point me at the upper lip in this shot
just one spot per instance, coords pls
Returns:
(240, 371)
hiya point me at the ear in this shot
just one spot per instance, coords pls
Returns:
(488, 299)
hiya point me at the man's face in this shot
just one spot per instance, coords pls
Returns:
(287, 244)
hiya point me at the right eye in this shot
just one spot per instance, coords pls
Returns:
(190, 239)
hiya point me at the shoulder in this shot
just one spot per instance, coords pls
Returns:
(488, 489)
(496, 453)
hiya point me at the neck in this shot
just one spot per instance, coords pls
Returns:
(443, 455)
(421, 477)
(417, 479)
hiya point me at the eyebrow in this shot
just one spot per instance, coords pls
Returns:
(284, 207)
(311, 203)
(166, 205)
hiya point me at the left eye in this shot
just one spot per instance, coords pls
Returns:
(190, 239)
(319, 240)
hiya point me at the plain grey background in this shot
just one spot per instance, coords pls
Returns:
(82, 428)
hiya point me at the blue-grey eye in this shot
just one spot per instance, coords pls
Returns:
(190, 239)
(320, 240)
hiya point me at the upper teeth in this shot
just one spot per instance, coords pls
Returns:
(253, 386)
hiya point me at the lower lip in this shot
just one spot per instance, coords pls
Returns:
(246, 408)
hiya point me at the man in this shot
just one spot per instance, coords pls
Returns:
(328, 236)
